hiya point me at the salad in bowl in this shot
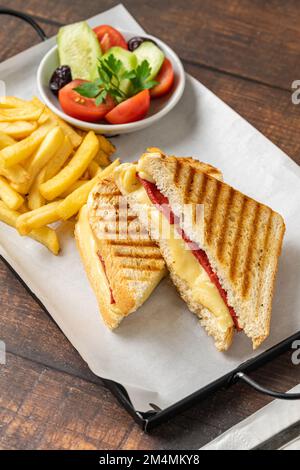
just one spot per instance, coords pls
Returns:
(109, 80)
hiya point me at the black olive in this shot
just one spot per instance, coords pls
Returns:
(135, 42)
(60, 77)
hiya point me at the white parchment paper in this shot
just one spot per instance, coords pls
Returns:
(160, 354)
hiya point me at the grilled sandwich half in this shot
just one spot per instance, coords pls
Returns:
(224, 265)
(121, 261)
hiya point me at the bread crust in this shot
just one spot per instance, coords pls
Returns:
(111, 318)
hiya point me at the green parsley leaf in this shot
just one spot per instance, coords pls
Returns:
(140, 81)
(89, 90)
(113, 64)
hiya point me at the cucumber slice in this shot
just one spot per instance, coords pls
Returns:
(79, 48)
(153, 54)
(128, 60)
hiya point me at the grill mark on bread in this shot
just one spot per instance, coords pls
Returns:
(109, 195)
(189, 185)
(136, 267)
(237, 239)
(246, 284)
(116, 218)
(176, 172)
(223, 229)
(150, 256)
(140, 279)
(217, 190)
(263, 260)
(202, 189)
(218, 226)
(131, 243)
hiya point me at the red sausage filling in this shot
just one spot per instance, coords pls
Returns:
(112, 300)
(162, 204)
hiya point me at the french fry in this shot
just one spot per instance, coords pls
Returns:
(5, 140)
(38, 218)
(14, 102)
(72, 188)
(16, 174)
(34, 198)
(45, 235)
(18, 129)
(39, 159)
(19, 114)
(9, 196)
(73, 203)
(59, 159)
(73, 170)
(102, 158)
(93, 168)
(22, 150)
(48, 148)
(74, 137)
(106, 145)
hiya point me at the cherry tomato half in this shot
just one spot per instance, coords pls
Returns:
(165, 79)
(130, 110)
(80, 107)
(109, 37)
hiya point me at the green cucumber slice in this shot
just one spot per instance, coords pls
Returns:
(79, 48)
(153, 54)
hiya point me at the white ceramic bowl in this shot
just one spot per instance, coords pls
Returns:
(159, 107)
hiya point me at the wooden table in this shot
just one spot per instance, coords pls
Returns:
(248, 53)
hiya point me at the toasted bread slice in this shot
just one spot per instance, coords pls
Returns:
(242, 238)
(125, 176)
(131, 263)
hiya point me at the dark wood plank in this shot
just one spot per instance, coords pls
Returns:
(254, 39)
(16, 36)
(28, 331)
(268, 109)
(44, 408)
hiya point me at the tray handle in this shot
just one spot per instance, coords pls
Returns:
(27, 18)
(265, 391)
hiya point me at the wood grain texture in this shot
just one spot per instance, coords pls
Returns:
(48, 396)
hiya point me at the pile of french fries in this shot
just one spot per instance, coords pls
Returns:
(47, 168)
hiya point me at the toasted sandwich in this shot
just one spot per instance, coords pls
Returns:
(123, 266)
(224, 266)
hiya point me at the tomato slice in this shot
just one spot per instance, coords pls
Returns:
(80, 107)
(109, 37)
(165, 79)
(130, 110)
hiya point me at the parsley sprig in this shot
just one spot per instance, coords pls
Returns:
(111, 73)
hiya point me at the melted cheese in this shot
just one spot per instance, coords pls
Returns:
(184, 262)
(125, 175)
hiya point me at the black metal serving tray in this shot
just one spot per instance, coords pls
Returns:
(155, 416)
